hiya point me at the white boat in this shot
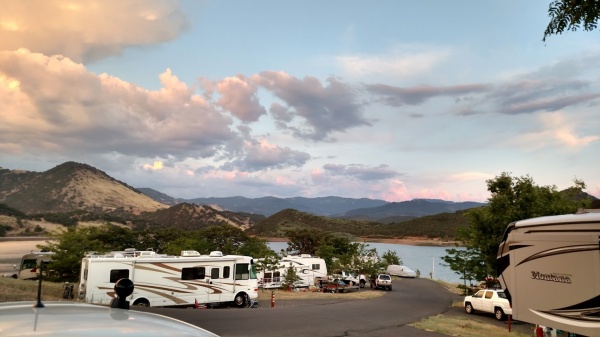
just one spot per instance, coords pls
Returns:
(402, 271)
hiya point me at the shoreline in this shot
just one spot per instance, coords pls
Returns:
(411, 241)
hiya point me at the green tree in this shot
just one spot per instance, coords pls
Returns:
(290, 278)
(390, 257)
(305, 240)
(467, 263)
(571, 15)
(512, 199)
(71, 245)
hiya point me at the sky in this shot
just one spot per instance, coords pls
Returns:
(391, 100)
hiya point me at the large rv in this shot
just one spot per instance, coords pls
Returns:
(28, 268)
(309, 268)
(550, 269)
(166, 280)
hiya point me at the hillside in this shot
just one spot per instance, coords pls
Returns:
(71, 186)
(407, 209)
(442, 225)
(189, 216)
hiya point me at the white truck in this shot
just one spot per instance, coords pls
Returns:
(357, 279)
(490, 301)
(549, 268)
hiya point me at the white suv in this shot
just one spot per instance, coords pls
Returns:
(383, 281)
(489, 300)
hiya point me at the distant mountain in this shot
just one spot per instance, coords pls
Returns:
(71, 186)
(159, 196)
(406, 209)
(362, 209)
(268, 206)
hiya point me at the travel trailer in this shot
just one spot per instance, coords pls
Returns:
(402, 271)
(550, 270)
(28, 268)
(309, 268)
(166, 280)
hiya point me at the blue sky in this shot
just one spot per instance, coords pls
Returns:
(390, 100)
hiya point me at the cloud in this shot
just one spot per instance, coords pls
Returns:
(260, 155)
(52, 104)
(402, 62)
(238, 95)
(556, 131)
(396, 96)
(320, 110)
(88, 30)
(361, 172)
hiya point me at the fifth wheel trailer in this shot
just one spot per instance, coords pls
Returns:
(550, 270)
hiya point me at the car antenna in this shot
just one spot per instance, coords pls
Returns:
(39, 303)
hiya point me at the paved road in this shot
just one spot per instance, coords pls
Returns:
(388, 315)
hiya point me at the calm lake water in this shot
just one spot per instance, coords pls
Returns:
(426, 259)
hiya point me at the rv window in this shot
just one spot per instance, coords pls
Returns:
(226, 271)
(316, 266)
(193, 273)
(214, 273)
(117, 274)
(29, 264)
(242, 271)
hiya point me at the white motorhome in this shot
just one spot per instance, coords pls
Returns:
(28, 268)
(550, 269)
(309, 268)
(163, 280)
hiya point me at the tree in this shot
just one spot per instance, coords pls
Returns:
(290, 278)
(305, 240)
(513, 198)
(390, 257)
(571, 15)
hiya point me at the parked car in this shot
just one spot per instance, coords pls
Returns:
(383, 281)
(488, 300)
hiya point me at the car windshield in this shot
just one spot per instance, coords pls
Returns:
(384, 277)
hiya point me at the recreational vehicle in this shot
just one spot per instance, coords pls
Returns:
(28, 268)
(550, 270)
(307, 267)
(166, 280)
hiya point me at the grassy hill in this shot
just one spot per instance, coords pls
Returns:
(433, 226)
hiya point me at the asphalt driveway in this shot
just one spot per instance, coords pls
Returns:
(388, 315)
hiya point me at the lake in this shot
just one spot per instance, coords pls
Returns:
(426, 259)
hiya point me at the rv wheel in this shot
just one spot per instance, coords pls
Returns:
(141, 303)
(240, 300)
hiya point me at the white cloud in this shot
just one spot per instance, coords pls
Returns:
(88, 30)
(404, 62)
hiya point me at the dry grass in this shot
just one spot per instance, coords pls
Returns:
(464, 327)
(26, 290)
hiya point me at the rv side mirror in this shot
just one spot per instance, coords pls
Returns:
(123, 288)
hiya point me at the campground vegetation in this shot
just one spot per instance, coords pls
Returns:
(512, 199)
(339, 252)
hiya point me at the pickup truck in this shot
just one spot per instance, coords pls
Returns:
(488, 300)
